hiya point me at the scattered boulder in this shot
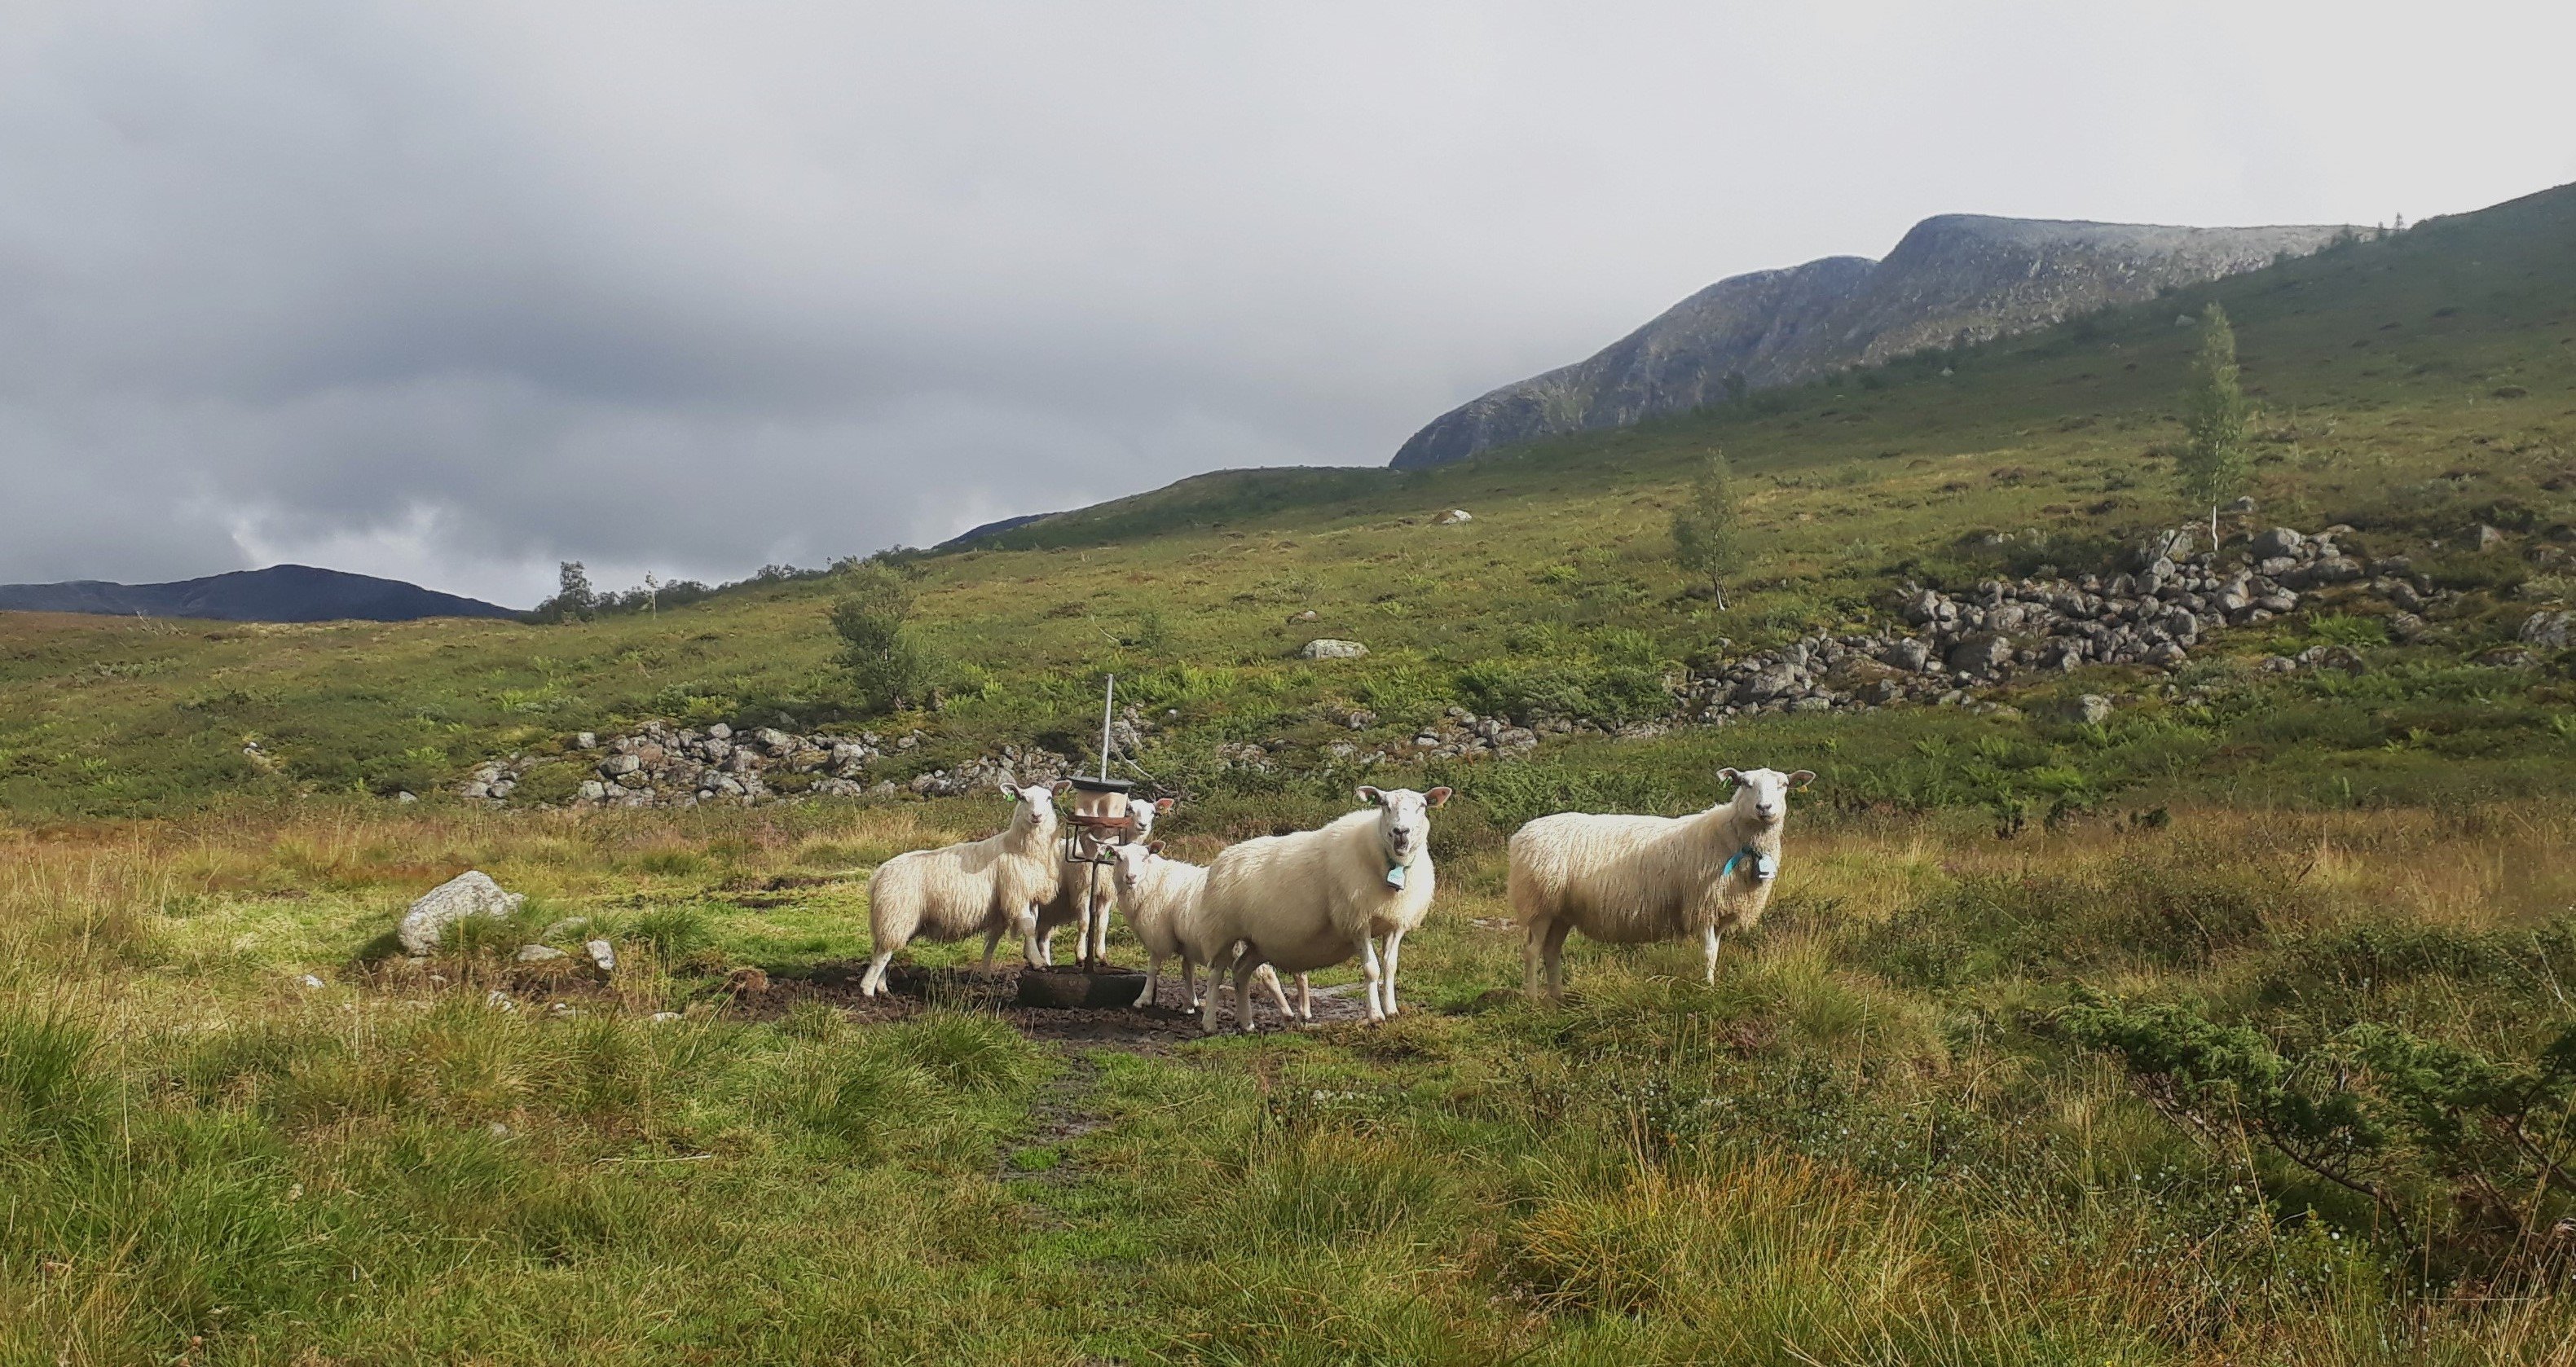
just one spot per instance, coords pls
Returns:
(2549, 630)
(2278, 543)
(537, 954)
(1326, 648)
(603, 955)
(1453, 517)
(2090, 709)
(2484, 538)
(1980, 655)
(471, 893)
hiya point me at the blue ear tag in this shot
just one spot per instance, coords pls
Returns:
(1765, 868)
(1395, 875)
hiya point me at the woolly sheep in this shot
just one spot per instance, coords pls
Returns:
(1158, 896)
(1635, 879)
(991, 885)
(1314, 899)
(1069, 905)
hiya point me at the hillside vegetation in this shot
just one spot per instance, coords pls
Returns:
(2411, 387)
(2230, 1026)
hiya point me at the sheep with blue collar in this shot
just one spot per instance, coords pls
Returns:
(1352, 888)
(1640, 879)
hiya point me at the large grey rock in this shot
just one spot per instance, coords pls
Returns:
(1909, 655)
(1326, 648)
(1952, 277)
(2278, 542)
(2549, 630)
(471, 893)
(1980, 655)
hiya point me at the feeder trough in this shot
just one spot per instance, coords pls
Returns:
(1071, 988)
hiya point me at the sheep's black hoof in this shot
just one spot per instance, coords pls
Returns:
(1067, 988)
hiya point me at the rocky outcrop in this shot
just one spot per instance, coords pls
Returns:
(1955, 278)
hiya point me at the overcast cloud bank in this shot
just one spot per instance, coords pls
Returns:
(450, 296)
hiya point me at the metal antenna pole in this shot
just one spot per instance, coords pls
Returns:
(1108, 704)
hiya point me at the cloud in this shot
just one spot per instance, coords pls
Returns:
(455, 292)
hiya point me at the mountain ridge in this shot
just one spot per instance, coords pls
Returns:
(1951, 279)
(276, 593)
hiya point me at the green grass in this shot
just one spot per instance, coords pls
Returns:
(1870, 1141)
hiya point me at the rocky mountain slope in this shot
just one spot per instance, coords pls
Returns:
(279, 593)
(1957, 277)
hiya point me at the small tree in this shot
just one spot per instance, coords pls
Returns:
(574, 599)
(2215, 463)
(1705, 538)
(887, 667)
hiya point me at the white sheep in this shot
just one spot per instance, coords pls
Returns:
(1160, 897)
(993, 884)
(1313, 899)
(1635, 879)
(1072, 907)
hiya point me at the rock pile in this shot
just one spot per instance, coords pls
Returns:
(2153, 615)
(661, 765)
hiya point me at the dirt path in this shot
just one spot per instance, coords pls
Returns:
(1154, 1029)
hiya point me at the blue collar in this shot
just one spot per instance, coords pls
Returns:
(1765, 867)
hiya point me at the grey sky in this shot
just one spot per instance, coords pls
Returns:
(452, 292)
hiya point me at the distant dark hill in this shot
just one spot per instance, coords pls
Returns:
(280, 593)
(988, 530)
(1957, 278)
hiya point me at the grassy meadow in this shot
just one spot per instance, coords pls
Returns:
(2233, 1028)
(1871, 1142)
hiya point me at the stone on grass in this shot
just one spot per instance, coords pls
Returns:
(537, 954)
(2549, 630)
(602, 954)
(471, 893)
(1326, 648)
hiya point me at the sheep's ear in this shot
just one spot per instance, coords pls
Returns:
(1436, 796)
(1729, 776)
(1802, 778)
(1059, 786)
(1154, 848)
(1162, 804)
(1371, 796)
(1007, 790)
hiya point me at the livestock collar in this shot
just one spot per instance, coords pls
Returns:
(1765, 866)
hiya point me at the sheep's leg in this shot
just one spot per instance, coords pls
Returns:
(1554, 951)
(873, 981)
(1532, 955)
(1305, 998)
(1394, 945)
(1708, 952)
(1031, 946)
(1278, 993)
(992, 942)
(1369, 965)
(1153, 971)
(1189, 982)
(1244, 968)
(1218, 963)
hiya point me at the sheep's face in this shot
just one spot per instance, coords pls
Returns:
(1403, 820)
(1132, 862)
(1141, 817)
(1033, 807)
(1763, 794)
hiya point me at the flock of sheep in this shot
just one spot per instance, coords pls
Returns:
(1351, 889)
